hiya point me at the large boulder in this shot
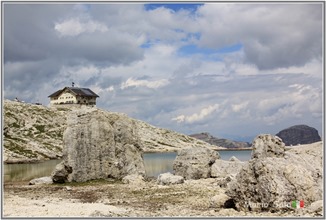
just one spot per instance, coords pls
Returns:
(195, 163)
(99, 145)
(271, 181)
(299, 134)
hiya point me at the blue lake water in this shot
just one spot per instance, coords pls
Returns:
(155, 164)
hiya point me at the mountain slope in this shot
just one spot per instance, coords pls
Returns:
(33, 133)
(220, 141)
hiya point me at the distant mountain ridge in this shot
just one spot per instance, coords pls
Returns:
(222, 142)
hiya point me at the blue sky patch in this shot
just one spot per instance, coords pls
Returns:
(194, 49)
(173, 6)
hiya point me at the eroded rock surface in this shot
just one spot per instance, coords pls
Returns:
(223, 168)
(274, 177)
(267, 146)
(195, 163)
(100, 145)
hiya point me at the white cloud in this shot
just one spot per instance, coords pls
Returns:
(197, 117)
(111, 48)
(75, 27)
(273, 35)
(239, 107)
(79, 73)
(149, 84)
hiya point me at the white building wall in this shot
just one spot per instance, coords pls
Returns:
(67, 98)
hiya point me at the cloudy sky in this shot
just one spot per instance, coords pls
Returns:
(235, 70)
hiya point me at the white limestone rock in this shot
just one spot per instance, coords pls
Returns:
(169, 179)
(133, 179)
(100, 145)
(223, 168)
(41, 180)
(195, 163)
(269, 180)
(266, 145)
(218, 200)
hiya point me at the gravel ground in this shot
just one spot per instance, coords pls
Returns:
(115, 199)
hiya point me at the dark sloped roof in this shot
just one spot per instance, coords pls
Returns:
(57, 93)
(77, 91)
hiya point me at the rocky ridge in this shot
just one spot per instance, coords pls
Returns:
(34, 133)
(220, 141)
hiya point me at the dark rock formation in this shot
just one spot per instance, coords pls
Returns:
(299, 134)
(273, 178)
(221, 142)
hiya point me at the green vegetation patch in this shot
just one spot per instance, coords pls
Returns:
(96, 182)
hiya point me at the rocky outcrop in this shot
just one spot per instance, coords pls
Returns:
(195, 163)
(33, 133)
(223, 168)
(299, 134)
(100, 145)
(273, 178)
(222, 142)
(169, 179)
(267, 146)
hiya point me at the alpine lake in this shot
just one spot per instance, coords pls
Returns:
(155, 164)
